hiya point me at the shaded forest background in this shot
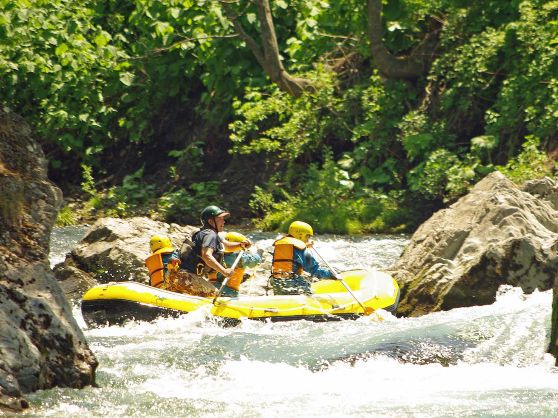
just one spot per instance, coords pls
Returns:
(355, 116)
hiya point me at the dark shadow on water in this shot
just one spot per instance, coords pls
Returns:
(444, 351)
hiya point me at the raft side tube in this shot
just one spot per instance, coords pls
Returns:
(114, 303)
(117, 311)
(98, 313)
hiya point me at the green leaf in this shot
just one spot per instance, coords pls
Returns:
(61, 49)
(487, 142)
(251, 17)
(282, 4)
(102, 39)
(127, 79)
(311, 22)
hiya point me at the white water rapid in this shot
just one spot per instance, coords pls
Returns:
(471, 362)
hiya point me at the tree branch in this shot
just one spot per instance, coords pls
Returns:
(390, 65)
(267, 50)
(239, 29)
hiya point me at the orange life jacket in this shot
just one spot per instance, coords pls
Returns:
(235, 278)
(154, 264)
(283, 257)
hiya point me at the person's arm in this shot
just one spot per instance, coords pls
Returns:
(234, 247)
(210, 261)
(250, 260)
(310, 265)
(174, 261)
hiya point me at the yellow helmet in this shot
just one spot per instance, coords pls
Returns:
(234, 237)
(301, 230)
(160, 244)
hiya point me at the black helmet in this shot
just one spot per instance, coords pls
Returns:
(211, 212)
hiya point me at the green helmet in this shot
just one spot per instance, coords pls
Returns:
(212, 212)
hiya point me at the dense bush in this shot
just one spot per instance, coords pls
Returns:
(98, 77)
(489, 97)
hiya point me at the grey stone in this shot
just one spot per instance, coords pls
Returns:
(497, 234)
(41, 344)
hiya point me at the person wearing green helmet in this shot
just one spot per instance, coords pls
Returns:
(206, 256)
(291, 258)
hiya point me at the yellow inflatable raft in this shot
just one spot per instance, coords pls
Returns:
(113, 303)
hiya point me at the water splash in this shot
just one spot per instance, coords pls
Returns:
(478, 361)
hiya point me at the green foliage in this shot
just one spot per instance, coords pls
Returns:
(93, 77)
(56, 69)
(378, 112)
(184, 206)
(270, 121)
(130, 198)
(531, 163)
(499, 71)
(88, 182)
(420, 136)
(66, 217)
(329, 203)
(430, 177)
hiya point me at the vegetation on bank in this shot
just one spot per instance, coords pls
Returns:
(361, 116)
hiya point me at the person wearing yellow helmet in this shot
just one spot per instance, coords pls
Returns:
(291, 257)
(163, 265)
(247, 260)
(163, 259)
(205, 258)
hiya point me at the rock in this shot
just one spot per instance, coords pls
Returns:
(41, 344)
(73, 281)
(545, 188)
(497, 234)
(115, 250)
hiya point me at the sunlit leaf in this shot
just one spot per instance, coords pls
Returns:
(127, 79)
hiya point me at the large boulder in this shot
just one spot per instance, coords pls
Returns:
(497, 234)
(41, 345)
(547, 189)
(114, 250)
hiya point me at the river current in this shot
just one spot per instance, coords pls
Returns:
(486, 361)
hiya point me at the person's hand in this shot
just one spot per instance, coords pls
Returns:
(245, 244)
(174, 264)
(260, 252)
(227, 272)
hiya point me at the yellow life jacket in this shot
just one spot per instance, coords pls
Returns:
(283, 256)
(154, 264)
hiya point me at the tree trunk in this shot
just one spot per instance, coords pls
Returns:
(267, 54)
(390, 65)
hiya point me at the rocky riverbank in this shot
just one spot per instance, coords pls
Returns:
(41, 345)
(498, 234)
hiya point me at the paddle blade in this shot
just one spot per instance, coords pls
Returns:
(368, 310)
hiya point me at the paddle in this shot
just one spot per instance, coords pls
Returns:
(229, 276)
(366, 310)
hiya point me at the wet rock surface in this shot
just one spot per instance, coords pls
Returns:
(497, 234)
(41, 345)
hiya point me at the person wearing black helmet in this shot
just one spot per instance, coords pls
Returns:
(206, 256)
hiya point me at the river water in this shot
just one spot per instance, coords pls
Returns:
(469, 362)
